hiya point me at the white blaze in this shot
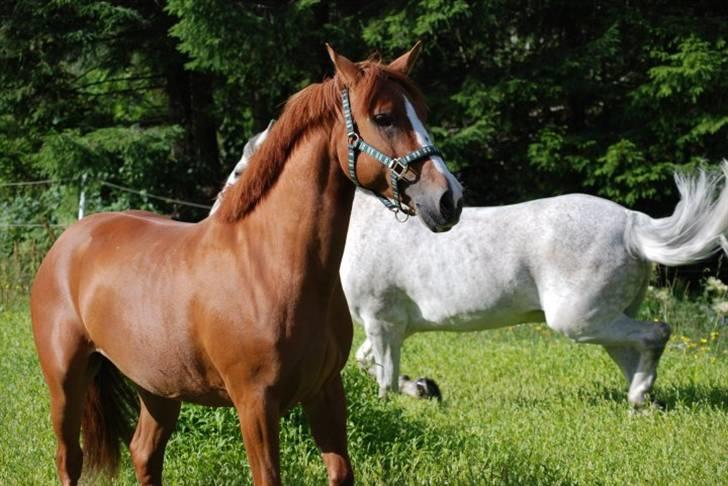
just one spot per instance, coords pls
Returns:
(423, 138)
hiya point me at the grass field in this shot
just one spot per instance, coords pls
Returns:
(522, 406)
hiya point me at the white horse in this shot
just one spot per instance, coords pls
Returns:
(580, 263)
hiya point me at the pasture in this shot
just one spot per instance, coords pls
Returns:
(521, 406)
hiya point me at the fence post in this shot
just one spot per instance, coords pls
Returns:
(82, 198)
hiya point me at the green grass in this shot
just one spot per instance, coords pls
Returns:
(522, 406)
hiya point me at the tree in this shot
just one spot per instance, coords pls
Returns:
(527, 99)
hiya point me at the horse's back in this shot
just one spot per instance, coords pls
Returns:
(574, 234)
(94, 236)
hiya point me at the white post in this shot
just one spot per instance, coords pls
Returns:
(82, 197)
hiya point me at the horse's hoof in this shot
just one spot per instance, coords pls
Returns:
(659, 405)
(647, 408)
(427, 388)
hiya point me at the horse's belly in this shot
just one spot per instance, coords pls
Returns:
(477, 321)
(170, 373)
(477, 312)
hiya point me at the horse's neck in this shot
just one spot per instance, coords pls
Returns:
(301, 223)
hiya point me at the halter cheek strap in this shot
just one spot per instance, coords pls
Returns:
(398, 166)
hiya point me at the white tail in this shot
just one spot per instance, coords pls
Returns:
(695, 231)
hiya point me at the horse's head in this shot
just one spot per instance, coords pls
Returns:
(382, 144)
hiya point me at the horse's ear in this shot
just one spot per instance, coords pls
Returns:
(348, 70)
(406, 61)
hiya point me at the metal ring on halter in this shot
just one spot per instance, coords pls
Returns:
(353, 138)
(397, 212)
(398, 168)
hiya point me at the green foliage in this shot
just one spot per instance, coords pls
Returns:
(526, 99)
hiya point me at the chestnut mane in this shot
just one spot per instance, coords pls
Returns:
(315, 106)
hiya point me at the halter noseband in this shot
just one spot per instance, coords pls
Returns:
(398, 166)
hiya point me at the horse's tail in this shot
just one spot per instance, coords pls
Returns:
(696, 230)
(110, 411)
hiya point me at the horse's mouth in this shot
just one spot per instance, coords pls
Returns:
(433, 220)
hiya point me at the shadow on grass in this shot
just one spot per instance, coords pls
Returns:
(385, 432)
(694, 396)
(690, 396)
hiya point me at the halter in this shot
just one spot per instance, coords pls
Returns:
(398, 166)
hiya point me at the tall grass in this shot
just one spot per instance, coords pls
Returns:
(18, 266)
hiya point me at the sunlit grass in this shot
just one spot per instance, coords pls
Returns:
(521, 406)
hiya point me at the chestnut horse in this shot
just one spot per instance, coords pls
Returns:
(244, 308)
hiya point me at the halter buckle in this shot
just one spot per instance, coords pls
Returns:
(353, 138)
(398, 168)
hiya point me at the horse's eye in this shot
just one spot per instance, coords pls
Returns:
(383, 120)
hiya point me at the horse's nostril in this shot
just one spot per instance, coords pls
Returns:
(447, 209)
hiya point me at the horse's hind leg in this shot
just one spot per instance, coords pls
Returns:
(64, 358)
(639, 366)
(639, 363)
(635, 345)
(157, 419)
(639, 360)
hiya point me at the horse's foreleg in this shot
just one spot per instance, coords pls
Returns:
(386, 339)
(327, 416)
(259, 416)
(157, 420)
(365, 357)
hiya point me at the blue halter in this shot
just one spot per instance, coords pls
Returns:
(398, 166)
